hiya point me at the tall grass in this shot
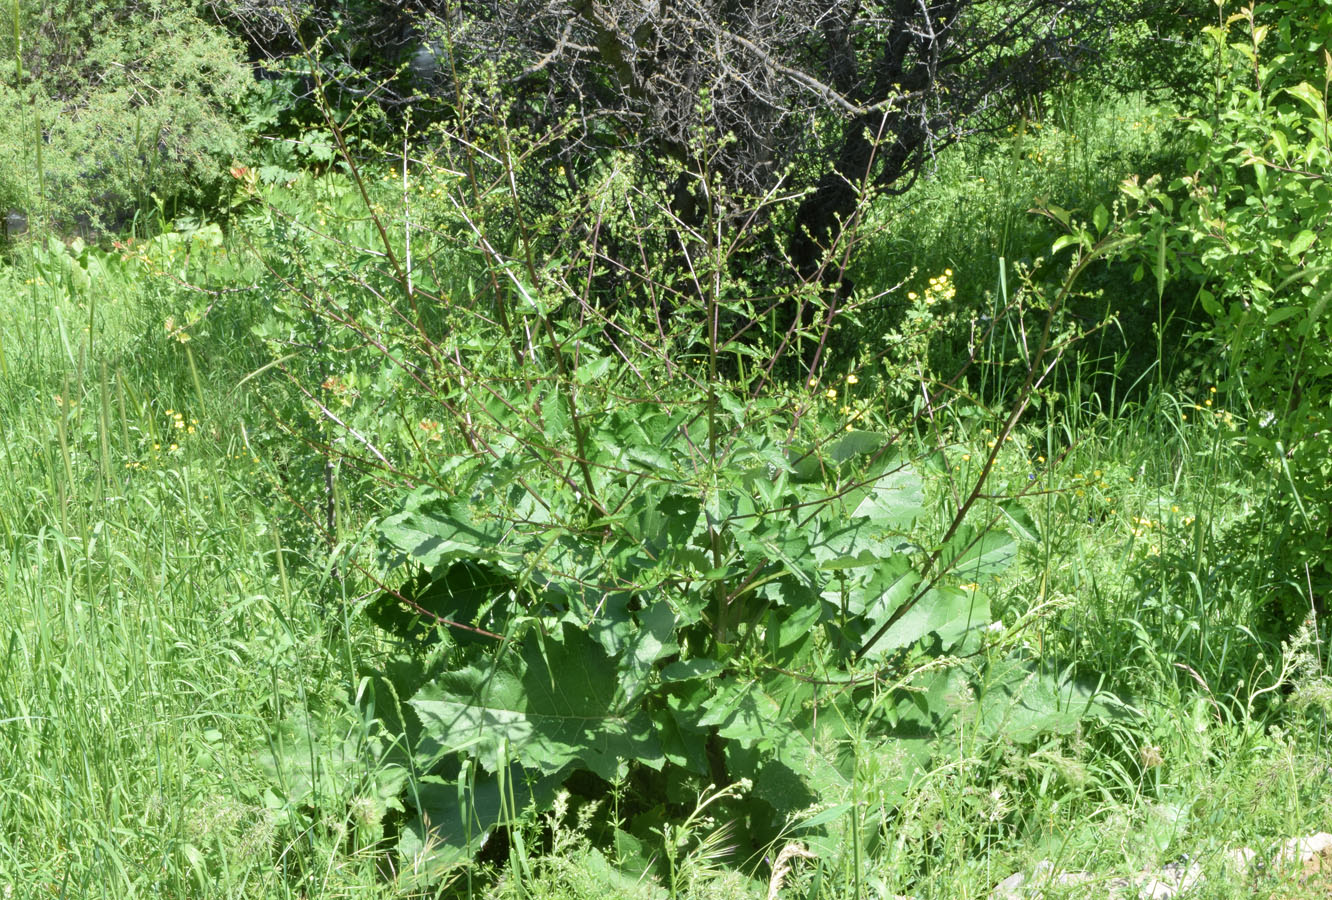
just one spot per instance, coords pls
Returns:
(147, 633)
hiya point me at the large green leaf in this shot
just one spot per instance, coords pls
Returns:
(682, 745)
(873, 598)
(852, 544)
(433, 529)
(972, 553)
(875, 594)
(661, 520)
(743, 711)
(856, 443)
(325, 764)
(948, 612)
(457, 594)
(455, 817)
(1018, 701)
(557, 702)
(894, 501)
(650, 636)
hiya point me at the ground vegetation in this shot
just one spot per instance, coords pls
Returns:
(426, 500)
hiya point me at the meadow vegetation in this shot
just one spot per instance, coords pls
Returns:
(394, 512)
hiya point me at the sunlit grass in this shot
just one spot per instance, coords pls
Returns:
(146, 631)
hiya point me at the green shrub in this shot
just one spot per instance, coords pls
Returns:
(115, 108)
(1246, 225)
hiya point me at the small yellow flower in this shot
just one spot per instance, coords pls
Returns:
(831, 393)
(852, 379)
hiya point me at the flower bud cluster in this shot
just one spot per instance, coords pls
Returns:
(940, 288)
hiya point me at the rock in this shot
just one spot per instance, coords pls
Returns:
(1182, 876)
(1314, 854)
(1155, 890)
(1010, 888)
(1172, 880)
(1019, 887)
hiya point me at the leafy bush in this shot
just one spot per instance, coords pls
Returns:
(1246, 226)
(116, 108)
(619, 549)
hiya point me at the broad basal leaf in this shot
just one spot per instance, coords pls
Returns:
(876, 593)
(856, 443)
(854, 544)
(456, 817)
(652, 638)
(949, 612)
(454, 595)
(971, 553)
(434, 529)
(1020, 702)
(743, 712)
(694, 668)
(894, 501)
(555, 703)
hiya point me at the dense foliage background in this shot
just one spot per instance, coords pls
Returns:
(582, 449)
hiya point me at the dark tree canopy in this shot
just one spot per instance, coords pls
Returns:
(825, 98)
(834, 93)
